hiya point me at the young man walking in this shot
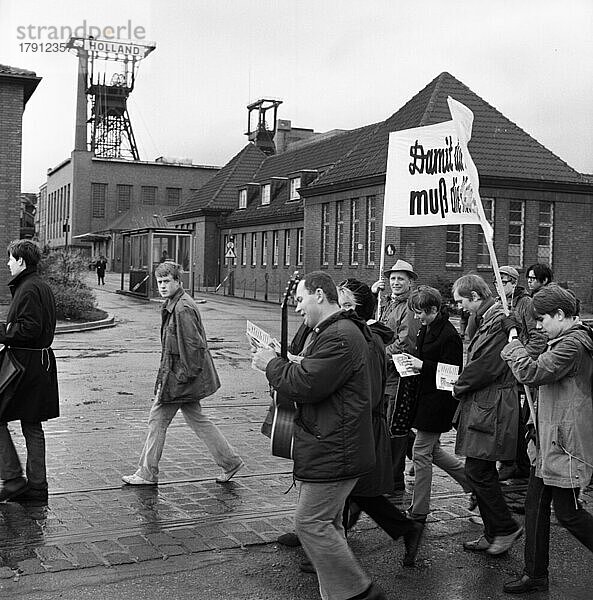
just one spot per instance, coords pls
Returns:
(186, 375)
(28, 333)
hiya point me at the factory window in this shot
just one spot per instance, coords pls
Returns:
(242, 198)
(516, 231)
(98, 196)
(295, 184)
(265, 194)
(287, 247)
(173, 196)
(148, 194)
(340, 232)
(300, 246)
(454, 246)
(355, 244)
(264, 248)
(483, 252)
(371, 230)
(325, 233)
(124, 197)
(545, 232)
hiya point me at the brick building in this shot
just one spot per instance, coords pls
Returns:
(16, 87)
(319, 205)
(87, 201)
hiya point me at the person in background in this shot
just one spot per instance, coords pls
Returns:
(186, 375)
(438, 342)
(520, 305)
(563, 430)
(538, 275)
(487, 416)
(400, 392)
(29, 332)
(333, 435)
(367, 494)
(101, 266)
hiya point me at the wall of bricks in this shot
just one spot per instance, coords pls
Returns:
(11, 114)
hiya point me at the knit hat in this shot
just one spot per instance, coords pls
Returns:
(365, 299)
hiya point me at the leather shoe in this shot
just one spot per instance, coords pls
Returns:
(479, 545)
(12, 488)
(526, 584)
(32, 495)
(289, 539)
(412, 542)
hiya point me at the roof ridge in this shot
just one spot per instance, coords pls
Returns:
(438, 80)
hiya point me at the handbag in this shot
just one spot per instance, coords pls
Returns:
(11, 372)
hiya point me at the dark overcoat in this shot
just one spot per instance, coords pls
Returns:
(333, 436)
(380, 479)
(437, 343)
(29, 332)
(488, 414)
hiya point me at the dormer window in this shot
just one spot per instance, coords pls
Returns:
(295, 184)
(265, 194)
(242, 198)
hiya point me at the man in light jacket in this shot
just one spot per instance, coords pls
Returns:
(186, 375)
(564, 430)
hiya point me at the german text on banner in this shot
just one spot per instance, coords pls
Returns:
(431, 178)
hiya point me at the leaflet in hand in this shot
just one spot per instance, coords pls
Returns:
(446, 376)
(402, 366)
(260, 338)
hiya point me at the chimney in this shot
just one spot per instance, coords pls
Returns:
(261, 134)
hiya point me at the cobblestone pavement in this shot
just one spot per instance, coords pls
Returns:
(106, 379)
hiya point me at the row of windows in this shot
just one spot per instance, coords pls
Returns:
(149, 195)
(362, 231)
(266, 191)
(58, 211)
(516, 235)
(247, 244)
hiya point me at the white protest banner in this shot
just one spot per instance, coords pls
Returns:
(431, 178)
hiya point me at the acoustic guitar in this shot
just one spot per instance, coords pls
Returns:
(284, 410)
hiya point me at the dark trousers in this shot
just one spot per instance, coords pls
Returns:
(537, 522)
(399, 446)
(521, 461)
(387, 516)
(10, 465)
(482, 477)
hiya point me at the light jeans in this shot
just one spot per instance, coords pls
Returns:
(10, 465)
(161, 415)
(427, 452)
(318, 524)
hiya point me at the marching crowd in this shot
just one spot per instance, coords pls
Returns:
(521, 406)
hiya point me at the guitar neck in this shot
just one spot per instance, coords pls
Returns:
(284, 331)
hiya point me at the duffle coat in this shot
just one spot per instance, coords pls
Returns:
(29, 332)
(488, 413)
(380, 479)
(186, 372)
(333, 436)
(564, 374)
(437, 342)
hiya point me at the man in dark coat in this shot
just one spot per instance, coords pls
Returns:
(101, 266)
(29, 333)
(333, 436)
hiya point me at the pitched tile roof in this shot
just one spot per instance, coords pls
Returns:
(141, 217)
(29, 79)
(498, 146)
(317, 155)
(220, 193)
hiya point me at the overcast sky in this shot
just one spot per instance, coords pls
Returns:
(335, 64)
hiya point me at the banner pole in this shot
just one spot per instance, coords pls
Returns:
(503, 298)
(382, 259)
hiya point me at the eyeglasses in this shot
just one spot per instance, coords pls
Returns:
(531, 278)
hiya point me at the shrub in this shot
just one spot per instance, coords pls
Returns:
(64, 271)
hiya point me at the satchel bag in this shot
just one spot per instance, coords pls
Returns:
(11, 372)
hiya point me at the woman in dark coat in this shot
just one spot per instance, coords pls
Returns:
(438, 342)
(367, 495)
(29, 333)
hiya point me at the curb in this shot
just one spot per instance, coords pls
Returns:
(109, 321)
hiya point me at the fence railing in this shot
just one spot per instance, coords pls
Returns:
(264, 287)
